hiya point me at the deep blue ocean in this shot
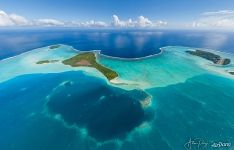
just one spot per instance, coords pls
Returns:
(117, 43)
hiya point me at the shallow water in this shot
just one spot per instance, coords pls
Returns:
(53, 106)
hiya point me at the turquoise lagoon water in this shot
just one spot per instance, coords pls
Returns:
(53, 106)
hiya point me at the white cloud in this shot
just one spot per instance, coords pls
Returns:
(140, 22)
(48, 22)
(92, 23)
(17, 20)
(118, 23)
(143, 22)
(220, 12)
(12, 20)
(5, 19)
(217, 19)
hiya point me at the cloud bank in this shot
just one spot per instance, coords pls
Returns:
(17, 20)
(222, 19)
(216, 19)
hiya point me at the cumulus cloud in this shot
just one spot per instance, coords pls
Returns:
(140, 22)
(216, 19)
(143, 22)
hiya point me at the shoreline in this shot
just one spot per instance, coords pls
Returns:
(132, 59)
(119, 82)
(119, 58)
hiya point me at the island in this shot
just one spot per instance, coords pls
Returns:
(231, 72)
(216, 59)
(54, 46)
(88, 59)
(46, 61)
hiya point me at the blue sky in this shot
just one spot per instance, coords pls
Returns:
(171, 11)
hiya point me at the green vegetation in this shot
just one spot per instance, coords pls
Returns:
(54, 46)
(46, 61)
(88, 59)
(232, 73)
(216, 59)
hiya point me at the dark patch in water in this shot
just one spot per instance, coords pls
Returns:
(106, 112)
